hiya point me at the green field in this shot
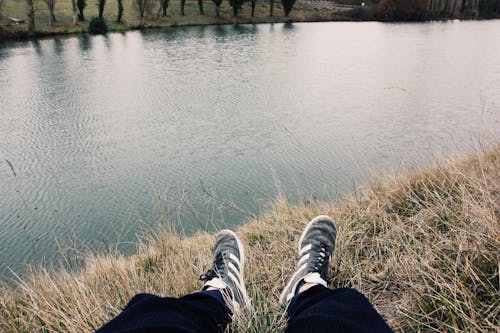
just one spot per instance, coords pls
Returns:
(131, 19)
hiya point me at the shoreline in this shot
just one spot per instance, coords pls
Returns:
(22, 36)
(302, 13)
(39, 35)
(421, 247)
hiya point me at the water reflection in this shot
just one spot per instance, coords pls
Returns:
(58, 45)
(201, 31)
(85, 42)
(220, 30)
(37, 47)
(4, 53)
(244, 29)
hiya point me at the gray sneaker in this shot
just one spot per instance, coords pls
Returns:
(226, 272)
(316, 246)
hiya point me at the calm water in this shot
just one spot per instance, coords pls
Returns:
(203, 126)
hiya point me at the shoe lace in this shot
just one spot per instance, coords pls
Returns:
(321, 260)
(216, 271)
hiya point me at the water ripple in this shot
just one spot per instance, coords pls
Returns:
(109, 134)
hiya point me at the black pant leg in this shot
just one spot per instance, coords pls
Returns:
(193, 313)
(320, 309)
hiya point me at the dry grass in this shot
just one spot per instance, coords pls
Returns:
(424, 249)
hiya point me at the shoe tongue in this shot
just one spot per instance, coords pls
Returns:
(214, 283)
(315, 278)
(310, 278)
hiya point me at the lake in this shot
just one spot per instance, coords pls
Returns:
(104, 138)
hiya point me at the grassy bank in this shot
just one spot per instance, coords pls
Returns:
(423, 248)
(302, 12)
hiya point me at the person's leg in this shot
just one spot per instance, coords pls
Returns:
(321, 309)
(199, 312)
(311, 306)
(208, 310)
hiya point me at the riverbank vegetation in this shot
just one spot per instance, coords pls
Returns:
(21, 19)
(418, 10)
(24, 18)
(422, 247)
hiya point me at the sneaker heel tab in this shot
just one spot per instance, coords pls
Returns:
(226, 232)
(323, 218)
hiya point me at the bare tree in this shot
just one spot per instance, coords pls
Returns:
(183, 4)
(31, 16)
(200, 6)
(81, 4)
(51, 5)
(120, 11)
(74, 11)
(162, 9)
(236, 5)
(464, 8)
(100, 6)
(217, 4)
(287, 6)
(141, 7)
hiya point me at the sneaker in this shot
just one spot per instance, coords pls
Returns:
(226, 272)
(316, 246)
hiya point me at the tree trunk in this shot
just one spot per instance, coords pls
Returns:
(165, 6)
(102, 3)
(253, 7)
(120, 11)
(162, 9)
(73, 7)
(141, 6)
(200, 6)
(454, 8)
(476, 8)
(31, 17)
(81, 4)
(271, 7)
(183, 4)
(234, 4)
(50, 5)
(217, 10)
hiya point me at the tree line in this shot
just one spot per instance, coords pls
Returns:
(407, 10)
(384, 10)
(142, 6)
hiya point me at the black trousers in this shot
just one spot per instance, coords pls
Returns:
(316, 310)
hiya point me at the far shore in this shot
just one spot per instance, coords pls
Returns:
(23, 35)
(14, 20)
(302, 12)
